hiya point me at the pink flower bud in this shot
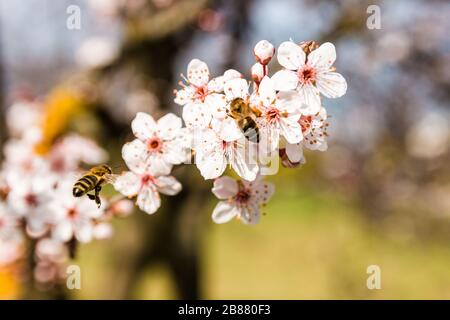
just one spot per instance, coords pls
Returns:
(258, 72)
(264, 52)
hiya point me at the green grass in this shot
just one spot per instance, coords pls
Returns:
(309, 245)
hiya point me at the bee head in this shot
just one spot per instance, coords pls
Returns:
(107, 169)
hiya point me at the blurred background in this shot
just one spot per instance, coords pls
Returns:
(379, 196)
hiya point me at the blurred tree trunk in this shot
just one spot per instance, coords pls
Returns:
(172, 235)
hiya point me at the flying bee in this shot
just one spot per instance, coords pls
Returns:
(93, 180)
(245, 116)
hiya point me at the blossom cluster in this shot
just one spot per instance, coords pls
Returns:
(227, 121)
(36, 194)
(232, 122)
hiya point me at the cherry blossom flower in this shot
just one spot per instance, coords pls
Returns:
(160, 143)
(67, 153)
(213, 154)
(200, 96)
(310, 75)
(145, 180)
(280, 115)
(29, 198)
(314, 129)
(240, 199)
(147, 185)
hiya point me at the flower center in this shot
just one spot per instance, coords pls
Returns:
(72, 213)
(307, 75)
(31, 200)
(305, 123)
(242, 196)
(154, 144)
(147, 178)
(272, 115)
(201, 93)
(58, 164)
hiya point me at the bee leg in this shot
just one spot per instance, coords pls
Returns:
(91, 196)
(97, 197)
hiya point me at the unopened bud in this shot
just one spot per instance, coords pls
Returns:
(258, 72)
(264, 52)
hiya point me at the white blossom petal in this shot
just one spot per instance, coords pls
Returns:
(217, 105)
(135, 154)
(243, 161)
(198, 73)
(63, 231)
(309, 100)
(266, 91)
(285, 80)
(250, 215)
(228, 129)
(224, 212)
(323, 57)
(291, 129)
(211, 163)
(184, 96)
(291, 56)
(168, 185)
(225, 187)
(294, 152)
(84, 233)
(196, 115)
(149, 200)
(236, 88)
(143, 126)
(128, 184)
(168, 126)
(331, 84)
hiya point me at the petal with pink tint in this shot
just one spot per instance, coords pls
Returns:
(225, 187)
(168, 185)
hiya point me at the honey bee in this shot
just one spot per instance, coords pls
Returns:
(93, 180)
(245, 115)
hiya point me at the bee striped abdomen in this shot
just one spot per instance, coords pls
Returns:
(250, 129)
(84, 185)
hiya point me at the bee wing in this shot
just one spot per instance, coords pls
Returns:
(111, 178)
